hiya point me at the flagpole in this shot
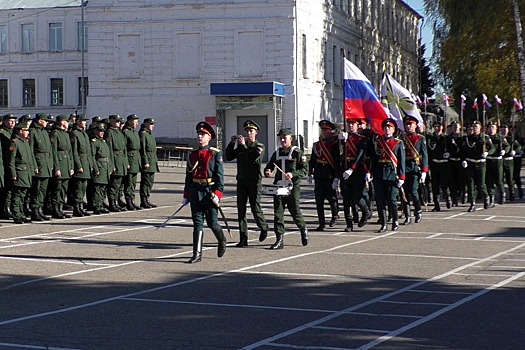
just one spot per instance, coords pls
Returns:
(497, 113)
(461, 114)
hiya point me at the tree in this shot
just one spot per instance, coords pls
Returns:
(426, 83)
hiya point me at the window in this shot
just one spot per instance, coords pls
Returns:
(57, 92)
(79, 36)
(55, 36)
(304, 56)
(3, 39)
(4, 96)
(86, 90)
(28, 37)
(29, 88)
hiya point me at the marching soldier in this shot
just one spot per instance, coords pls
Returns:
(355, 176)
(476, 147)
(133, 149)
(43, 153)
(117, 146)
(324, 166)
(457, 183)
(149, 162)
(518, 161)
(388, 166)
(102, 168)
(6, 132)
(82, 164)
(494, 174)
(416, 168)
(22, 166)
(249, 154)
(438, 154)
(203, 187)
(508, 159)
(292, 168)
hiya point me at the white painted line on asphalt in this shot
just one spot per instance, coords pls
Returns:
(79, 262)
(411, 303)
(485, 274)
(437, 292)
(339, 329)
(480, 238)
(454, 216)
(383, 315)
(409, 256)
(269, 273)
(24, 346)
(490, 217)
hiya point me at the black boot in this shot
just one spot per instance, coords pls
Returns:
(197, 247)
(436, 205)
(365, 214)
(304, 236)
(279, 243)
(449, 202)
(406, 211)
(243, 241)
(77, 211)
(41, 214)
(134, 205)
(113, 206)
(502, 196)
(395, 219)
(472, 207)
(57, 214)
(334, 208)
(151, 204)
(488, 202)
(129, 204)
(35, 216)
(418, 216)
(349, 225)
(61, 208)
(144, 203)
(121, 203)
(263, 235)
(382, 220)
(221, 239)
(83, 210)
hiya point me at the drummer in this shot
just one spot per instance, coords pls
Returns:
(290, 166)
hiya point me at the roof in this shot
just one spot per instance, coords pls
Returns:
(36, 4)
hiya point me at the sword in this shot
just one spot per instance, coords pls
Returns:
(220, 210)
(171, 217)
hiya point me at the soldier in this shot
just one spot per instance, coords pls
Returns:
(416, 168)
(494, 173)
(203, 188)
(438, 153)
(149, 162)
(62, 165)
(476, 147)
(95, 121)
(249, 154)
(133, 149)
(117, 146)
(22, 166)
(325, 168)
(82, 164)
(43, 153)
(292, 168)
(102, 168)
(508, 159)
(6, 132)
(457, 183)
(388, 166)
(517, 161)
(355, 176)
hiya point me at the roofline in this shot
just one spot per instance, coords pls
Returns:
(418, 15)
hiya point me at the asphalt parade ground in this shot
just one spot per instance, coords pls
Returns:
(117, 281)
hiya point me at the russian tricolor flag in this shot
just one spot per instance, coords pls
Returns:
(361, 100)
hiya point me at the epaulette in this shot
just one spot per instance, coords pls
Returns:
(215, 149)
(93, 140)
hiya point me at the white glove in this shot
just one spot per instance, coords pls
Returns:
(309, 179)
(368, 177)
(446, 155)
(335, 183)
(185, 201)
(348, 173)
(502, 153)
(423, 177)
(464, 164)
(484, 154)
(400, 183)
(512, 153)
(215, 200)
(343, 136)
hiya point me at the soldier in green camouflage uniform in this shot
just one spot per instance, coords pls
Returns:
(6, 131)
(102, 168)
(133, 148)
(117, 145)
(494, 174)
(82, 164)
(62, 165)
(149, 162)
(508, 159)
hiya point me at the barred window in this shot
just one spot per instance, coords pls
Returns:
(29, 92)
(57, 92)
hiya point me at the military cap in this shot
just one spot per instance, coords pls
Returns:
(389, 122)
(436, 123)
(132, 117)
(73, 116)
(284, 132)
(7, 117)
(81, 117)
(51, 118)
(326, 124)
(362, 121)
(21, 126)
(492, 123)
(410, 119)
(249, 124)
(149, 120)
(206, 128)
(352, 121)
(25, 118)
(96, 119)
(476, 122)
(114, 117)
(504, 126)
(100, 126)
(105, 120)
(454, 122)
(41, 116)
(61, 117)
(120, 119)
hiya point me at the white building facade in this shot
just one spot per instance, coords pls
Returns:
(277, 62)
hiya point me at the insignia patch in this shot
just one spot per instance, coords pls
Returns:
(303, 159)
(260, 150)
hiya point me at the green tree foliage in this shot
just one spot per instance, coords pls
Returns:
(427, 83)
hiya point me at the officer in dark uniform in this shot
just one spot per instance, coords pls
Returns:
(476, 147)
(324, 171)
(82, 164)
(149, 162)
(203, 188)
(133, 148)
(508, 159)
(22, 166)
(117, 145)
(43, 153)
(457, 183)
(494, 175)
(249, 154)
(293, 167)
(102, 168)
(416, 168)
(388, 166)
(438, 153)
(6, 132)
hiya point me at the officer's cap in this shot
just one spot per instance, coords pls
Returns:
(61, 117)
(149, 121)
(437, 123)
(132, 117)
(493, 123)
(25, 118)
(41, 116)
(249, 124)
(410, 119)
(7, 117)
(389, 122)
(114, 117)
(352, 121)
(206, 128)
(96, 119)
(81, 117)
(100, 126)
(475, 122)
(105, 121)
(326, 124)
(284, 132)
(21, 126)
(454, 122)
(51, 118)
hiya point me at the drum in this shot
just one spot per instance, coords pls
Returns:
(282, 188)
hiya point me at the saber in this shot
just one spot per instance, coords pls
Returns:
(171, 217)
(225, 221)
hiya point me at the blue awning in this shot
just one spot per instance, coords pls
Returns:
(270, 88)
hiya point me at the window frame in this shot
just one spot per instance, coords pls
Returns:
(57, 91)
(28, 93)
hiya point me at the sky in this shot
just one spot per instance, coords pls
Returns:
(427, 30)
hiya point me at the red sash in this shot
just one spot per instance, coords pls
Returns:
(327, 154)
(388, 150)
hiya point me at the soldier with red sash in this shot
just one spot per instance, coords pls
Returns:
(388, 166)
(355, 175)
(324, 166)
(416, 167)
(203, 189)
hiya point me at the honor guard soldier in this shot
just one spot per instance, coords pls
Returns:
(117, 145)
(6, 132)
(82, 164)
(43, 153)
(149, 162)
(102, 168)
(476, 147)
(457, 183)
(388, 166)
(508, 159)
(249, 154)
(355, 175)
(416, 168)
(22, 167)
(518, 160)
(133, 148)
(438, 154)
(494, 175)
(62, 165)
(324, 171)
(292, 168)
(203, 188)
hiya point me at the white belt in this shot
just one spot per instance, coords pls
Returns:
(455, 159)
(508, 158)
(494, 158)
(476, 160)
(440, 160)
